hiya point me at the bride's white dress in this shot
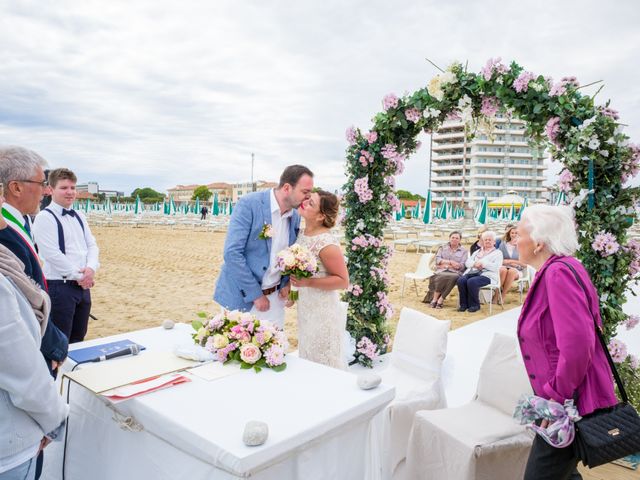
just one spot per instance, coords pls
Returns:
(320, 315)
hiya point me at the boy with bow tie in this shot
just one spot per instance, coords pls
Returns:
(70, 255)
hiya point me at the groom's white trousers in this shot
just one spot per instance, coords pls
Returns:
(275, 314)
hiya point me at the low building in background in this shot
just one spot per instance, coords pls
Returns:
(240, 189)
(94, 189)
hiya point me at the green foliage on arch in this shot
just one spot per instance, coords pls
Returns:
(576, 131)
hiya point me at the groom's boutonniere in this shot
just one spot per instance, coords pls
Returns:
(266, 232)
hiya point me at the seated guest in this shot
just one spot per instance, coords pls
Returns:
(478, 243)
(32, 412)
(450, 260)
(482, 269)
(511, 268)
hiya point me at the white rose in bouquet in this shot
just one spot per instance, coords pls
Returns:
(220, 341)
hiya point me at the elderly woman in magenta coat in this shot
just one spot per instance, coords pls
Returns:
(559, 345)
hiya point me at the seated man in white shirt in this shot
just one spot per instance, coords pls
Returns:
(70, 255)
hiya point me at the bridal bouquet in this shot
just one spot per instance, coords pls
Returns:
(296, 260)
(240, 336)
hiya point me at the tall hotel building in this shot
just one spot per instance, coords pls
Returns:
(491, 169)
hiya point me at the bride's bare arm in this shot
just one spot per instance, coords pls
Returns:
(337, 275)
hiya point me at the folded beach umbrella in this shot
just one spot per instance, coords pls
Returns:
(443, 209)
(196, 208)
(427, 216)
(215, 210)
(137, 207)
(525, 204)
(482, 211)
(561, 199)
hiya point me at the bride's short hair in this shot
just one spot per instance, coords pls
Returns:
(329, 207)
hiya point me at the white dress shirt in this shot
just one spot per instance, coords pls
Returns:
(279, 241)
(80, 246)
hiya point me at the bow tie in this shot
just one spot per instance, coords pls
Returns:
(68, 212)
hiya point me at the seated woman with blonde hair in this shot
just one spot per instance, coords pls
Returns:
(512, 268)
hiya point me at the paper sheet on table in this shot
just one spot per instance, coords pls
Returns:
(144, 386)
(116, 373)
(214, 370)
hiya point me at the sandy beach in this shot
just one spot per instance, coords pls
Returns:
(148, 275)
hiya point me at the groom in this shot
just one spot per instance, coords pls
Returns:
(262, 224)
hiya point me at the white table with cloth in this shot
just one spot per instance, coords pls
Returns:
(321, 425)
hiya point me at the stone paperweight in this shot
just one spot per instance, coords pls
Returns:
(255, 433)
(367, 381)
(168, 324)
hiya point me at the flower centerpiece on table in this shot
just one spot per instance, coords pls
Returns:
(240, 336)
(297, 260)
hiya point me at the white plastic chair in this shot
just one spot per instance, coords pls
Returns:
(527, 277)
(491, 288)
(419, 348)
(423, 272)
(479, 439)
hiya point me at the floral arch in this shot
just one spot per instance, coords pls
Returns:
(597, 161)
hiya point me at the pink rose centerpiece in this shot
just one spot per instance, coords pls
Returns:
(297, 260)
(241, 337)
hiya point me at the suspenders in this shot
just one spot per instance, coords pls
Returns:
(60, 231)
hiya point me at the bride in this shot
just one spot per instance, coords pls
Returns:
(320, 315)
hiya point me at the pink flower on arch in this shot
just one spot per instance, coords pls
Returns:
(552, 129)
(390, 101)
(618, 350)
(372, 136)
(490, 106)
(352, 135)
(361, 187)
(631, 322)
(493, 65)
(412, 115)
(565, 180)
(521, 84)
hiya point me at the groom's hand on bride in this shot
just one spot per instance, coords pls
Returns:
(262, 303)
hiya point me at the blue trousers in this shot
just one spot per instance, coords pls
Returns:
(25, 471)
(70, 308)
(469, 290)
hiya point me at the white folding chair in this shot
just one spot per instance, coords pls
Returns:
(419, 348)
(527, 277)
(491, 288)
(423, 272)
(479, 439)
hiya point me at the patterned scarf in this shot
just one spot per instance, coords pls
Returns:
(12, 268)
(561, 430)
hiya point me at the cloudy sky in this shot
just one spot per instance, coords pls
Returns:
(156, 92)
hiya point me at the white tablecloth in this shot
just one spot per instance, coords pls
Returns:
(320, 425)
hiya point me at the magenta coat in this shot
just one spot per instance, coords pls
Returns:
(561, 351)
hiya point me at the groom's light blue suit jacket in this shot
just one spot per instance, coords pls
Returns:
(246, 257)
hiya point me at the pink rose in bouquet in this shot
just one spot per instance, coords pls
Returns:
(297, 260)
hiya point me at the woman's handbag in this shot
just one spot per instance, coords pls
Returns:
(611, 433)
